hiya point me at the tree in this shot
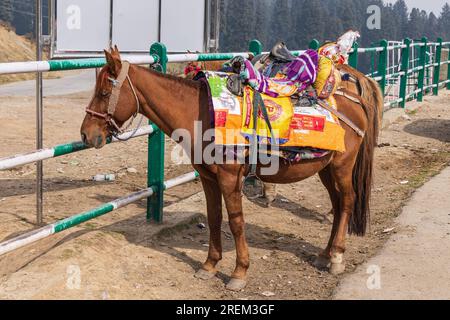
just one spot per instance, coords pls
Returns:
(297, 22)
(390, 26)
(6, 11)
(432, 29)
(239, 26)
(400, 10)
(282, 23)
(312, 22)
(264, 9)
(346, 10)
(416, 24)
(24, 16)
(444, 22)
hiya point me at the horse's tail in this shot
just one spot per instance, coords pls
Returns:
(372, 98)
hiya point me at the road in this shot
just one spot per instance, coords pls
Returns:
(414, 263)
(83, 81)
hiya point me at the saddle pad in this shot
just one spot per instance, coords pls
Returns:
(312, 127)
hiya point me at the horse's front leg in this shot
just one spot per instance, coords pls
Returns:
(214, 207)
(230, 181)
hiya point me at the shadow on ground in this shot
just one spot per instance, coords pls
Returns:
(438, 129)
(188, 236)
(21, 187)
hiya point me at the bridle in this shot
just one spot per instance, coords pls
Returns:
(117, 84)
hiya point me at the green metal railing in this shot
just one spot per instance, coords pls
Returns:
(405, 70)
(412, 67)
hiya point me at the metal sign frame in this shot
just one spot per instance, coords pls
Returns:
(210, 43)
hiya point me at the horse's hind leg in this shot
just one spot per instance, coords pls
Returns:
(214, 208)
(343, 175)
(270, 193)
(323, 259)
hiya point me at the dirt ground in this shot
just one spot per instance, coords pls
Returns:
(119, 256)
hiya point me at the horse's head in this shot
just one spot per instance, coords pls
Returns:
(114, 102)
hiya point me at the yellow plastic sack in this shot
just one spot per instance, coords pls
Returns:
(280, 114)
(328, 78)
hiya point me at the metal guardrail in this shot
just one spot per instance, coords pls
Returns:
(427, 67)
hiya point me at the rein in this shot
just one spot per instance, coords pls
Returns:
(113, 101)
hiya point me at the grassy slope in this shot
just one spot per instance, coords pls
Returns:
(15, 48)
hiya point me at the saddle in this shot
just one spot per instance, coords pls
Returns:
(268, 64)
(274, 61)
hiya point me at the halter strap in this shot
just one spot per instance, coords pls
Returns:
(117, 86)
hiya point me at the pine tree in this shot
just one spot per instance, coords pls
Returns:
(6, 11)
(282, 22)
(312, 22)
(432, 29)
(444, 22)
(262, 27)
(390, 26)
(346, 10)
(24, 17)
(400, 10)
(414, 24)
(239, 26)
(298, 21)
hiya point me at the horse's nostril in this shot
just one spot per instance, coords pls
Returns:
(99, 140)
(83, 138)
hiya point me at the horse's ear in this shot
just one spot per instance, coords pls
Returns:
(115, 52)
(114, 63)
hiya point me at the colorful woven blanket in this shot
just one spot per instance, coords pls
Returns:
(293, 126)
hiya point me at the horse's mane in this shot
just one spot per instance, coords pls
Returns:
(176, 79)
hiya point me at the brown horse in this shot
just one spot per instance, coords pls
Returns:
(172, 103)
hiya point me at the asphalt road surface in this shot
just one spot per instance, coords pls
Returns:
(74, 83)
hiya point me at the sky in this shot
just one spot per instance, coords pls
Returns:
(427, 5)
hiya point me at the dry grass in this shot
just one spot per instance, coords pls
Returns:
(15, 48)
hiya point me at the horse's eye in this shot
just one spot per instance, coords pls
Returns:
(105, 93)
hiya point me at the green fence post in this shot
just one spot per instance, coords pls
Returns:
(448, 68)
(422, 63)
(155, 174)
(404, 69)
(353, 56)
(437, 68)
(314, 44)
(382, 65)
(255, 47)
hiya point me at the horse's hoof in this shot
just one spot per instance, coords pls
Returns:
(236, 284)
(337, 268)
(204, 275)
(321, 262)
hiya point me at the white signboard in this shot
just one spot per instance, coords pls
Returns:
(135, 24)
(183, 24)
(81, 27)
(86, 27)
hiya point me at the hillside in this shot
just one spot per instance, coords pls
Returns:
(15, 48)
